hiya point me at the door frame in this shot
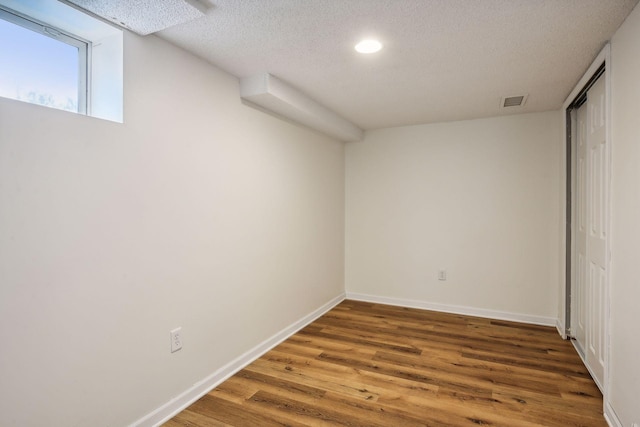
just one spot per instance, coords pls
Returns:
(600, 64)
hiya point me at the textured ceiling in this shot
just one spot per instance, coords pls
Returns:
(442, 59)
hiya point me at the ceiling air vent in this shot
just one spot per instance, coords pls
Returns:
(513, 101)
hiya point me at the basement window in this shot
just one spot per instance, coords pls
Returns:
(57, 56)
(42, 64)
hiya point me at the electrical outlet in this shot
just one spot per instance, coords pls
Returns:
(176, 339)
(442, 275)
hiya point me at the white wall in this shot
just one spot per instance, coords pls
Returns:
(624, 378)
(478, 198)
(197, 212)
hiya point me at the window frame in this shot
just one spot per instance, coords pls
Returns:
(83, 46)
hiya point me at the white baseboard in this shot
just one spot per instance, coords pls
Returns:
(186, 398)
(610, 416)
(446, 308)
(561, 329)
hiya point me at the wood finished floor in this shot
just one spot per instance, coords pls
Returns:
(365, 364)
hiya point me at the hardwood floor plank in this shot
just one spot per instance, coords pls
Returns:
(482, 375)
(336, 411)
(366, 364)
(322, 376)
(357, 337)
(187, 418)
(406, 373)
(283, 384)
(233, 414)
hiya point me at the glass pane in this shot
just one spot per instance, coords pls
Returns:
(37, 69)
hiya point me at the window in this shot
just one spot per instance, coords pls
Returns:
(41, 64)
(56, 55)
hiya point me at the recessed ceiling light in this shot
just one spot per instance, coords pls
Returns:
(368, 46)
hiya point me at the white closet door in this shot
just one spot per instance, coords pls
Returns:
(597, 210)
(579, 298)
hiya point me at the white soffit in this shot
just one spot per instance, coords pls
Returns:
(144, 16)
(276, 96)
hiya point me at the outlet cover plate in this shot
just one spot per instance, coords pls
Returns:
(176, 339)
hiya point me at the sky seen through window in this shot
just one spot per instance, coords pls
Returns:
(37, 68)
